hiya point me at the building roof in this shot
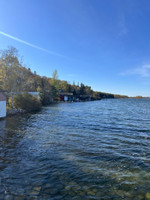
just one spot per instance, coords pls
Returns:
(66, 94)
(2, 97)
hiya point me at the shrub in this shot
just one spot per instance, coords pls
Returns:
(9, 102)
(27, 102)
(45, 98)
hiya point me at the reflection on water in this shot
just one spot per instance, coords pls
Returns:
(91, 150)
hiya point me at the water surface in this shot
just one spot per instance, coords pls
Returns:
(90, 150)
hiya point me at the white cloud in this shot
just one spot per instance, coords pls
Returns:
(143, 71)
(31, 45)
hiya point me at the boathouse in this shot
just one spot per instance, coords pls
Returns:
(2, 106)
(66, 96)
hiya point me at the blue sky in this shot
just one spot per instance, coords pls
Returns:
(102, 43)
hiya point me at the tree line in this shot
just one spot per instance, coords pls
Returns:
(16, 78)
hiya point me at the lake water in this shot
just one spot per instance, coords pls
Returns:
(90, 150)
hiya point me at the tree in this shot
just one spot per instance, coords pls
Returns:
(15, 78)
(54, 82)
(82, 89)
(9, 57)
(10, 76)
(27, 102)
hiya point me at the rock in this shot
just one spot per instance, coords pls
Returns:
(37, 188)
(81, 193)
(77, 187)
(140, 197)
(86, 188)
(72, 183)
(94, 190)
(91, 193)
(15, 111)
(68, 187)
(147, 196)
(50, 191)
(34, 193)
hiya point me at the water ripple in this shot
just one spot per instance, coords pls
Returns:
(90, 150)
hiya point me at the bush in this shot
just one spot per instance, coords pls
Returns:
(45, 98)
(9, 102)
(27, 102)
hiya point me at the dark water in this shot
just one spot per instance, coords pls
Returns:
(91, 150)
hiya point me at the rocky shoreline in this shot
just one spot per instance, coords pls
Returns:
(15, 111)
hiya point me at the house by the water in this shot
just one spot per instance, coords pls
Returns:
(66, 96)
(35, 94)
(2, 106)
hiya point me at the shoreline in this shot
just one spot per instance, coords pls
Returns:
(14, 111)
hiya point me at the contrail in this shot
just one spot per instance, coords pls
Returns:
(31, 45)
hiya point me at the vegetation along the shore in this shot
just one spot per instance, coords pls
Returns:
(16, 80)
